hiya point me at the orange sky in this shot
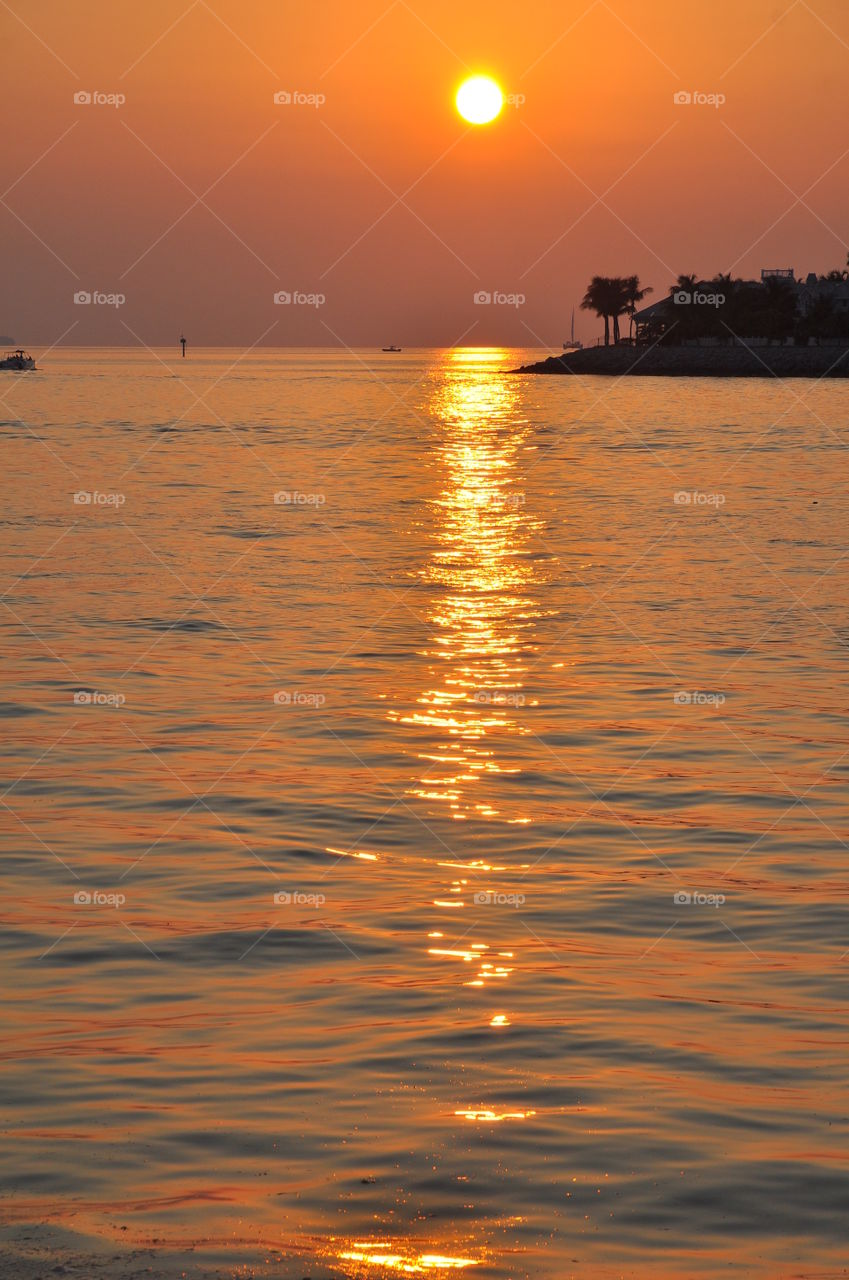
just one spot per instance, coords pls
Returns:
(509, 207)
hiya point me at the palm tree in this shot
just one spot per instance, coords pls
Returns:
(597, 298)
(620, 305)
(684, 284)
(603, 296)
(634, 295)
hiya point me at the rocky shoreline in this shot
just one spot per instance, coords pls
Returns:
(699, 362)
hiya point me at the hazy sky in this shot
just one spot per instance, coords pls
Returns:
(199, 197)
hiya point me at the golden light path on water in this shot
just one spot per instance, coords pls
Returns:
(482, 575)
(383, 1254)
(481, 571)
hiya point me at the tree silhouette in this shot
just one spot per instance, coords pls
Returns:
(600, 298)
(684, 284)
(611, 297)
(634, 295)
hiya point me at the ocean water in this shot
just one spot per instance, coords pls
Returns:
(425, 817)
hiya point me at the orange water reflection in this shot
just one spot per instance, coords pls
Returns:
(493, 1117)
(482, 572)
(385, 1255)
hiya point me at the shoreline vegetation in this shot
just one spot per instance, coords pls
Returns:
(775, 327)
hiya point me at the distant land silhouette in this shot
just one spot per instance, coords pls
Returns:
(778, 326)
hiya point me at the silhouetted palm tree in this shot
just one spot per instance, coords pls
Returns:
(597, 298)
(620, 306)
(634, 295)
(684, 284)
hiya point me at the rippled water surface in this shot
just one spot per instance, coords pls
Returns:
(441, 868)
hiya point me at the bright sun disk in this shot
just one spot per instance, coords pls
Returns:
(479, 100)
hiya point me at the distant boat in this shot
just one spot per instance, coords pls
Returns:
(396, 349)
(573, 345)
(19, 359)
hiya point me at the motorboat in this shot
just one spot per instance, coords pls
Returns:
(19, 360)
(395, 349)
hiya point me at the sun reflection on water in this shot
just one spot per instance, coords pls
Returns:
(384, 1254)
(486, 1116)
(482, 572)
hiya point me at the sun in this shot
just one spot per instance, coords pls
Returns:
(479, 100)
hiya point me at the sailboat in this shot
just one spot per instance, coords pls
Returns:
(573, 345)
